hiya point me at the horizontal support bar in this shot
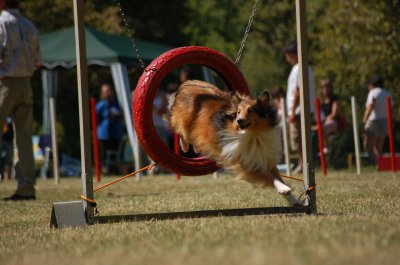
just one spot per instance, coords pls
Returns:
(200, 214)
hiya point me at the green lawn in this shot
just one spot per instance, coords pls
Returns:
(358, 223)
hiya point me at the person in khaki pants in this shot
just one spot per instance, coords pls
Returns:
(19, 57)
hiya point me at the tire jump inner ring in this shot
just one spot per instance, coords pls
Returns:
(145, 92)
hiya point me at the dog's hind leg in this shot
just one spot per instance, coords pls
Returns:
(286, 191)
(184, 145)
(293, 201)
(195, 149)
(274, 179)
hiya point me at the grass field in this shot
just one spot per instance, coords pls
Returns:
(358, 222)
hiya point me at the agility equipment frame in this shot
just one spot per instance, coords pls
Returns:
(81, 213)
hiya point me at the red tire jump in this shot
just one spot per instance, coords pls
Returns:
(145, 92)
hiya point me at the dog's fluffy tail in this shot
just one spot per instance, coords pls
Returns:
(171, 100)
(167, 116)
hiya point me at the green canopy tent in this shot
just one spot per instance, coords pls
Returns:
(104, 49)
(58, 48)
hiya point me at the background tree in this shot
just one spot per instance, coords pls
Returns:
(50, 15)
(356, 39)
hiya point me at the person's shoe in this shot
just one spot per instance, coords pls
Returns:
(17, 197)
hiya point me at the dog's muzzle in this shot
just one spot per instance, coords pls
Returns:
(243, 124)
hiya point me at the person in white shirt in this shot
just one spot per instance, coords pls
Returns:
(375, 118)
(293, 102)
(19, 57)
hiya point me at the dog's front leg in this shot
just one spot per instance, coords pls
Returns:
(283, 189)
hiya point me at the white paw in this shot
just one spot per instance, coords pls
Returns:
(281, 187)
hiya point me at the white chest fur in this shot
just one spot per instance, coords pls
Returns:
(255, 151)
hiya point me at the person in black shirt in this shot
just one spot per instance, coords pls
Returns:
(330, 108)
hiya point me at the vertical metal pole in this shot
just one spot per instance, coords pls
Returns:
(95, 141)
(285, 136)
(320, 137)
(355, 132)
(84, 118)
(46, 91)
(390, 129)
(308, 172)
(56, 168)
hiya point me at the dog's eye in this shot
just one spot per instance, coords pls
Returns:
(249, 110)
(231, 116)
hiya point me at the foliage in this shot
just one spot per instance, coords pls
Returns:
(216, 24)
(356, 39)
(159, 21)
(263, 62)
(49, 15)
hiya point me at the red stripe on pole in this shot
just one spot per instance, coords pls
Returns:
(390, 128)
(320, 138)
(95, 142)
(176, 150)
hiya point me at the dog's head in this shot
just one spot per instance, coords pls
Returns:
(257, 114)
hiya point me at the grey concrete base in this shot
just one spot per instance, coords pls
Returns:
(67, 214)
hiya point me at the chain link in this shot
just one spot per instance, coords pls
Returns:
(247, 31)
(131, 34)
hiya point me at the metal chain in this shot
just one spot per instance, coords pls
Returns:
(246, 33)
(131, 34)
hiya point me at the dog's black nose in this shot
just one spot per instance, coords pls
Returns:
(243, 124)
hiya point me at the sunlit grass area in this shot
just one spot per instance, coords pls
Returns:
(357, 223)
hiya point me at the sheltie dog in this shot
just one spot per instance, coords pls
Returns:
(240, 133)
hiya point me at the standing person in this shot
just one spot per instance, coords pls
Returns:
(185, 73)
(375, 118)
(279, 98)
(19, 57)
(330, 108)
(109, 124)
(160, 108)
(278, 93)
(293, 102)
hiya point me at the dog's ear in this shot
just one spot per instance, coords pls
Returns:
(264, 98)
(235, 98)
